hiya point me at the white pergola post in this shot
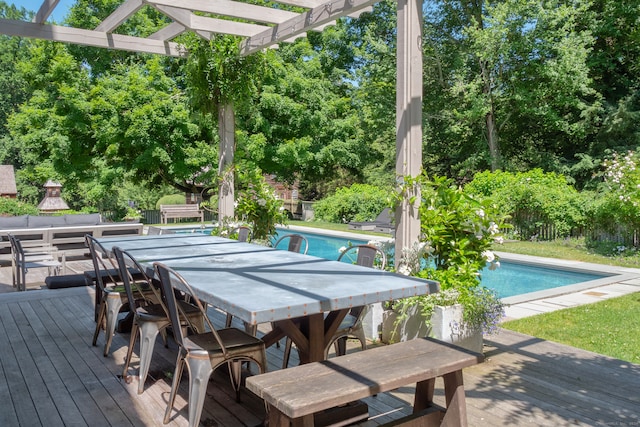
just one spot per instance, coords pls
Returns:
(226, 196)
(408, 119)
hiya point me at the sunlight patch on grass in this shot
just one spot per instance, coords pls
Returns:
(610, 327)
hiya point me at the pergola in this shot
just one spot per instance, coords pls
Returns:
(263, 27)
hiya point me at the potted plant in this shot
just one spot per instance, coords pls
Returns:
(132, 215)
(457, 233)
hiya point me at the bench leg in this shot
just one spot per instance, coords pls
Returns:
(423, 398)
(278, 419)
(456, 414)
(456, 410)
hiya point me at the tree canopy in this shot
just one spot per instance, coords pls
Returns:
(508, 85)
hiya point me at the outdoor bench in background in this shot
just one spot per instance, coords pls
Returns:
(181, 211)
(294, 395)
(65, 232)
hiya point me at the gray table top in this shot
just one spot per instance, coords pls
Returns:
(259, 284)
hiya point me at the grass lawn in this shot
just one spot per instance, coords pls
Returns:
(573, 249)
(610, 327)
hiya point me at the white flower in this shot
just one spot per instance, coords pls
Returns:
(499, 240)
(480, 213)
(281, 209)
(262, 202)
(342, 249)
(488, 255)
(494, 265)
(404, 270)
(493, 228)
(235, 204)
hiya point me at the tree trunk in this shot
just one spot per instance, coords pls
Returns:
(226, 131)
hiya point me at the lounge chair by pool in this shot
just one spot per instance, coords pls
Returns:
(382, 223)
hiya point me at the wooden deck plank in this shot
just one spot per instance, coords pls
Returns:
(47, 362)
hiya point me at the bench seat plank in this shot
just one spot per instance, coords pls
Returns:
(181, 211)
(340, 380)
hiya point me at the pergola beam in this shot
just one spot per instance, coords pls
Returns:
(408, 121)
(232, 9)
(302, 23)
(90, 38)
(211, 25)
(121, 14)
(45, 10)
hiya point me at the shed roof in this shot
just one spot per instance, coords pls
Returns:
(7, 181)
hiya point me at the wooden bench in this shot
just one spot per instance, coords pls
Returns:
(180, 211)
(294, 395)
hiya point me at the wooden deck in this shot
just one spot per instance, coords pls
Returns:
(50, 375)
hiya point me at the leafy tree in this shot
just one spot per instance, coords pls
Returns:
(510, 75)
(47, 128)
(12, 86)
(90, 13)
(303, 124)
(141, 123)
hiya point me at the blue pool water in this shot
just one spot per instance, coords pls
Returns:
(512, 279)
(509, 280)
(321, 245)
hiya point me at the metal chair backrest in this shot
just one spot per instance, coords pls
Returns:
(153, 231)
(367, 255)
(295, 242)
(125, 260)
(16, 249)
(244, 233)
(170, 279)
(95, 250)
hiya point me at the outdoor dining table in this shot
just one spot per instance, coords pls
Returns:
(304, 297)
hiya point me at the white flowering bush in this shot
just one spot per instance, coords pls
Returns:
(457, 234)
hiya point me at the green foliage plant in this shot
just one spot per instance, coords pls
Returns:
(360, 202)
(256, 205)
(533, 199)
(171, 199)
(457, 234)
(616, 217)
(15, 207)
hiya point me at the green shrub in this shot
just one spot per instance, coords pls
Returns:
(615, 217)
(14, 207)
(360, 202)
(172, 199)
(534, 199)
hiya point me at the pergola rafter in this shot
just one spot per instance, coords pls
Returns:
(262, 27)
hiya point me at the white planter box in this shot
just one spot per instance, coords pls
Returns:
(445, 326)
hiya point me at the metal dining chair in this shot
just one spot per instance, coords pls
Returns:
(244, 233)
(111, 296)
(203, 353)
(22, 261)
(295, 243)
(149, 317)
(351, 327)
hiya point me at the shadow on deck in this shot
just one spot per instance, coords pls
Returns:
(51, 375)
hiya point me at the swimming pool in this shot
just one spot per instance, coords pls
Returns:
(322, 245)
(510, 280)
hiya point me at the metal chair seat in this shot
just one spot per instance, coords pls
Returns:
(149, 317)
(203, 353)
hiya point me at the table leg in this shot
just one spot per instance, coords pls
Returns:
(311, 334)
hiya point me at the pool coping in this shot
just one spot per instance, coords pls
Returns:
(614, 274)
